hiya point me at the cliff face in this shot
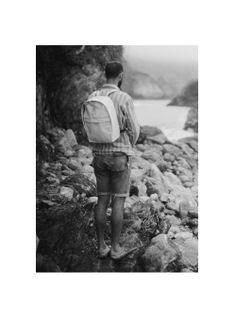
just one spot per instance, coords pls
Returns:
(140, 85)
(188, 96)
(66, 75)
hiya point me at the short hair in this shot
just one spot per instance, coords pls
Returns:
(113, 69)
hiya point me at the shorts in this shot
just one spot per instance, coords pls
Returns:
(113, 174)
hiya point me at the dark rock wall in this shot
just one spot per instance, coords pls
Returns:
(66, 75)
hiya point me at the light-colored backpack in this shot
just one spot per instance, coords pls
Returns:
(100, 119)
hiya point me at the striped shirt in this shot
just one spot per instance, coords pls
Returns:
(127, 120)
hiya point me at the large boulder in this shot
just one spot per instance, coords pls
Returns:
(161, 254)
(188, 245)
(147, 131)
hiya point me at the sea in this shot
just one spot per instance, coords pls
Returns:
(170, 119)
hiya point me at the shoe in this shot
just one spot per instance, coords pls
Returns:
(104, 253)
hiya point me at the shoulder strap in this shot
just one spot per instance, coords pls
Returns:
(112, 91)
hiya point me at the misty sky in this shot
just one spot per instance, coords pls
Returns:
(162, 53)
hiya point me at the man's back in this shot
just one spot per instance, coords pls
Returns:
(127, 120)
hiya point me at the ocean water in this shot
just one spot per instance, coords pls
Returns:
(170, 120)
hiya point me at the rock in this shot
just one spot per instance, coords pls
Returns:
(183, 235)
(172, 206)
(138, 162)
(150, 131)
(67, 192)
(52, 180)
(141, 188)
(193, 222)
(56, 134)
(189, 248)
(137, 174)
(188, 184)
(152, 155)
(87, 169)
(192, 143)
(184, 208)
(173, 231)
(195, 231)
(130, 201)
(69, 153)
(160, 138)
(130, 241)
(48, 203)
(169, 157)
(193, 212)
(169, 212)
(92, 200)
(186, 149)
(67, 172)
(173, 220)
(161, 253)
(184, 179)
(67, 142)
(154, 196)
(183, 163)
(170, 148)
(85, 155)
(74, 164)
(164, 197)
(159, 180)
(141, 147)
(144, 199)
(172, 180)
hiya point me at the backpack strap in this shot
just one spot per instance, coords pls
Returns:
(112, 91)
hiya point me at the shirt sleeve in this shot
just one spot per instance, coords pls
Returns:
(132, 126)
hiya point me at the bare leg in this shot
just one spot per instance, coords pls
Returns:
(100, 219)
(116, 221)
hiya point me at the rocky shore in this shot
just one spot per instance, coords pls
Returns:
(160, 216)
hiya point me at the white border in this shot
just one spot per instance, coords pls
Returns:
(206, 295)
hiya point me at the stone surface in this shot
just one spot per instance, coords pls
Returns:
(159, 138)
(189, 248)
(67, 192)
(160, 254)
(184, 208)
(152, 155)
(67, 142)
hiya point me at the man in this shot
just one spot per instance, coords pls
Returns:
(112, 163)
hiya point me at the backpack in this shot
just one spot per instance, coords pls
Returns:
(100, 119)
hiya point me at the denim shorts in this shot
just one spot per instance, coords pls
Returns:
(113, 174)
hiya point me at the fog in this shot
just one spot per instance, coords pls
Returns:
(171, 54)
(171, 66)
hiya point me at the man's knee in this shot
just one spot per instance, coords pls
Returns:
(118, 201)
(103, 200)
